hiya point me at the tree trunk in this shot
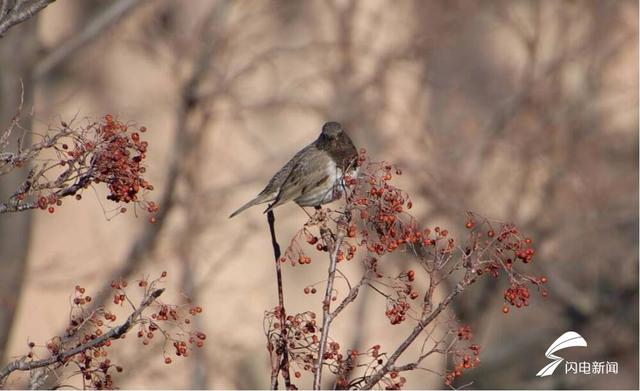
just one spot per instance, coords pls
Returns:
(18, 51)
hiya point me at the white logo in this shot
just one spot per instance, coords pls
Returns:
(568, 340)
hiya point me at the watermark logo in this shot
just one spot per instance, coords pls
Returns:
(572, 339)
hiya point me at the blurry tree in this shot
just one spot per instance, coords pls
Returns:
(17, 55)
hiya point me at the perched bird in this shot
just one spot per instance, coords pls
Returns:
(314, 175)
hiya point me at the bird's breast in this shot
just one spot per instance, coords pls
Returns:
(326, 190)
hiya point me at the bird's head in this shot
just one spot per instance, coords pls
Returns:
(337, 143)
(332, 130)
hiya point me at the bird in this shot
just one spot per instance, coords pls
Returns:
(314, 176)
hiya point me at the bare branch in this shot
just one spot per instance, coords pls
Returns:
(334, 247)
(20, 12)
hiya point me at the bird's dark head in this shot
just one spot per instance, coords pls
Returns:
(337, 143)
(332, 130)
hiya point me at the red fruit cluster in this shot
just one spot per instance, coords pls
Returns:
(107, 151)
(464, 333)
(517, 295)
(118, 161)
(466, 363)
(465, 358)
(526, 255)
(49, 202)
(301, 335)
(309, 289)
(397, 312)
(393, 381)
(95, 369)
(333, 351)
(380, 205)
(166, 312)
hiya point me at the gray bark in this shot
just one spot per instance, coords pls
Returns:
(17, 56)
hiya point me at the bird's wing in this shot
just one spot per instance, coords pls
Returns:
(304, 176)
(276, 182)
(270, 192)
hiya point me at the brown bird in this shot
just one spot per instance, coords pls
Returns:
(314, 175)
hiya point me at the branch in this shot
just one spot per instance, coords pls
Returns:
(114, 333)
(20, 13)
(284, 364)
(351, 296)
(424, 322)
(326, 314)
(72, 189)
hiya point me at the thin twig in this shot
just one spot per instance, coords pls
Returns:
(19, 14)
(351, 296)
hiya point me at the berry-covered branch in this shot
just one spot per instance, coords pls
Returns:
(376, 223)
(389, 366)
(69, 159)
(88, 336)
(61, 357)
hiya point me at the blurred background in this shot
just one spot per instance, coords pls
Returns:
(522, 111)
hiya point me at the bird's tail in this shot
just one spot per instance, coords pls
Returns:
(258, 200)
